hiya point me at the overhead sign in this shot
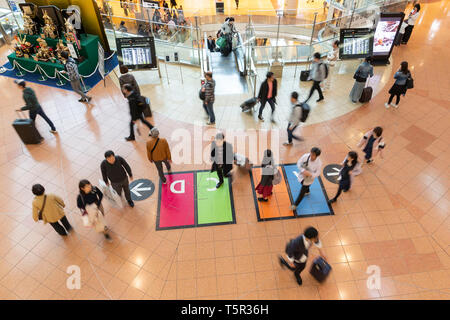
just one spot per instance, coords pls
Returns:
(141, 189)
(331, 172)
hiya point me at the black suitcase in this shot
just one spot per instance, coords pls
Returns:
(304, 75)
(248, 104)
(366, 95)
(27, 131)
(320, 269)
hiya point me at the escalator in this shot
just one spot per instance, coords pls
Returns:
(229, 72)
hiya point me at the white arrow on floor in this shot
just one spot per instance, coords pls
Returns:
(136, 189)
(334, 173)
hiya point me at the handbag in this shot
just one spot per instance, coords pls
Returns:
(276, 177)
(409, 83)
(308, 179)
(202, 94)
(42, 209)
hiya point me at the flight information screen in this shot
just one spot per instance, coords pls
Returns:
(137, 52)
(136, 56)
(356, 43)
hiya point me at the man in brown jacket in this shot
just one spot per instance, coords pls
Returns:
(50, 208)
(158, 152)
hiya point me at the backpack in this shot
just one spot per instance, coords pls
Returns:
(326, 69)
(305, 111)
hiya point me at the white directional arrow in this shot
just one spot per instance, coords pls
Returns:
(137, 188)
(335, 173)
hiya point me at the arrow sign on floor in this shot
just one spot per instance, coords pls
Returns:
(141, 189)
(331, 172)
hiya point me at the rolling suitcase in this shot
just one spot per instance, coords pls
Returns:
(366, 95)
(320, 269)
(27, 131)
(248, 104)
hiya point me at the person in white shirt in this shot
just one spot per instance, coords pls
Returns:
(409, 23)
(309, 165)
(332, 58)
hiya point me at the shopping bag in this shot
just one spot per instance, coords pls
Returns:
(85, 219)
(276, 177)
(110, 194)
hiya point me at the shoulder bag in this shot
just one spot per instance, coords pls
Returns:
(42, 209)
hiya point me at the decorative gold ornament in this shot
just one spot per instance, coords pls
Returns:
(29, 26)
(70, 31)
(44, 52)
(49, 29)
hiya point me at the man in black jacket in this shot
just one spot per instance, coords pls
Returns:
(211, 44)
(222, 157)
(115, 169)
(32, 104)
(267, 93)
(137, 104)
(297, 251)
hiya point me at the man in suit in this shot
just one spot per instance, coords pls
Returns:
(222, 157)
(267, 93)
(297, 252)
(211, 44)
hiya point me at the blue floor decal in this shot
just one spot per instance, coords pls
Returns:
(314, 204)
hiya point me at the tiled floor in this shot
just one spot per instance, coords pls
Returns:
(396, 215)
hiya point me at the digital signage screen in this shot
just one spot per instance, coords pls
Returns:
(137, 52)
(356, 43)
(387, 29)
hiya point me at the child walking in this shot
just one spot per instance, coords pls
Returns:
(350, 167)
(372, 144)
(264, 187)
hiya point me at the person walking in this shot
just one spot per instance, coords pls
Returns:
(350, 166)
(208, 88)
(50, 208)
(372, 144)
(71, 69)
(399, 86)
(267, 94)
(32, 104)
(297, 252)
(364, 71)
(410, 22)
(128, 78)
(211, 44)
(173, 4)
(89, 201)
(318, 73)
(237, 4)
(158, 151)
(222, 158)
(309, 165)
(332, 58)
(115, 169)
(265, 186)
(136, 103)
(294, 119)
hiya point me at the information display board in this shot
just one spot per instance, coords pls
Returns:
(150, 4)
(387, 29)
(137, 52)
(356, 43)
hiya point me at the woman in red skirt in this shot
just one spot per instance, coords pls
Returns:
(264, 188)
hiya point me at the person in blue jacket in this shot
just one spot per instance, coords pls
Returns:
(399, 86)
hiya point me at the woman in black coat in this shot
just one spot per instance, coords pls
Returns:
(267, 93)
(222, 157)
